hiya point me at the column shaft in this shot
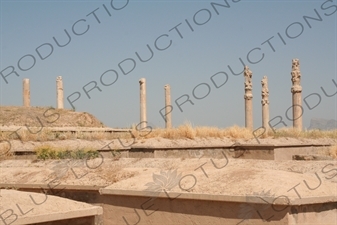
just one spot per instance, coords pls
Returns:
(143, 120)
(26, 93)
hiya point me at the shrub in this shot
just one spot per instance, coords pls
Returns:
(48, 152)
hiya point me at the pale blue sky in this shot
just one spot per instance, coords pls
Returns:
(189, 61)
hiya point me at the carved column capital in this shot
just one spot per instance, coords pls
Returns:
(265, 91)
(248, 96)
(296, 75)
(296, 89)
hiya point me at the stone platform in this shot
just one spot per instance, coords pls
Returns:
(187, 191)
(19, 207)
(222, 196)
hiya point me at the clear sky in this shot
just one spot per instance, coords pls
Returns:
(191, 41)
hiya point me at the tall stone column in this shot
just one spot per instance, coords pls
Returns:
(59, 93)
(168, 109)
(26, 93)
(296, 90)
(265, 104)
(143, 121)
(248, 98)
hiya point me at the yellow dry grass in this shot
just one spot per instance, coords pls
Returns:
(27, 135)
(49, 152)
(115, 173)
(186, 130)
(235, 132)
(312, 134)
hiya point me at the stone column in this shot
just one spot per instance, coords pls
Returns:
(248, 98)
(26, 93)
(296, 90)
(59, 93)
(168, 109)
(265, 104)
(143, 121)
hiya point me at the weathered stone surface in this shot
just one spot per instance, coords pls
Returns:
(201, 191)
(222, 196)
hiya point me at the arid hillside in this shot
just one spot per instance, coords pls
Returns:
(46, 116)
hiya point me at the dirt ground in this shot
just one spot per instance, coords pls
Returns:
(162, 143)
(105, 172)
(243, 178)
(248, 180)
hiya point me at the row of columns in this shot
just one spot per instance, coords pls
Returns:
(59, 93)
(296, 91)
(168, 109)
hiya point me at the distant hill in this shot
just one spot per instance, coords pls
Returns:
(323, 124)
(47, 116)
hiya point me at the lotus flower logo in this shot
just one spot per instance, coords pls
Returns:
(61, 169)
(164, 181)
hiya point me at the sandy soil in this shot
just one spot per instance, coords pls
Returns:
(238, 176)
(162, 143)
(135, 173)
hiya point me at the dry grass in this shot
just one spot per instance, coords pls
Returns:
(186, 130)
(312, 134)
(26, 135)
(48, 152)
(235, 132)
(94, 135)
(50, 117)
(113, 174)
